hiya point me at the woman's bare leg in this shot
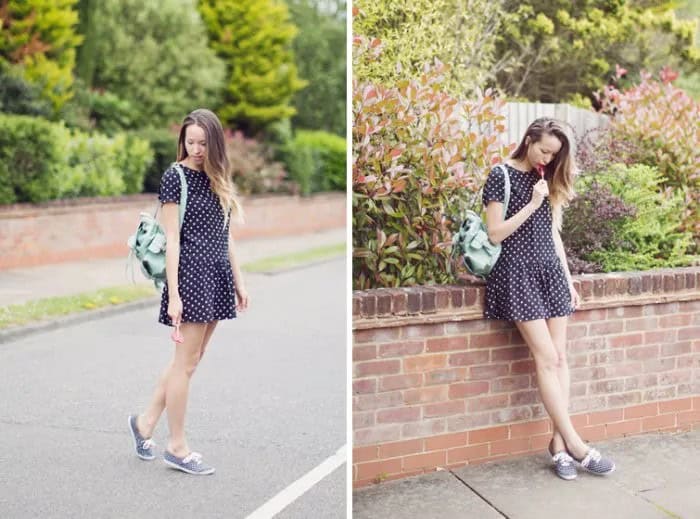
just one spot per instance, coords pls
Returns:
(187, 355)
(557, 330)
(537, 336)
(147, 422)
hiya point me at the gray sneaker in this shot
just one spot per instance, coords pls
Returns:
(192, 463)
(595, 463)
(563, 464)
(144, 446)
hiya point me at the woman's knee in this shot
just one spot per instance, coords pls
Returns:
(548, 359)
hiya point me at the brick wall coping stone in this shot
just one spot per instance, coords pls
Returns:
(389, 307)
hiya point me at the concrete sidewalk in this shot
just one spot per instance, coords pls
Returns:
(657, 477)
(26, 284)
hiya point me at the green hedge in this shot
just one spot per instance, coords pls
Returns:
(40, 161)
(316, 161)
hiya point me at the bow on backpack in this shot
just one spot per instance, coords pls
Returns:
(472, 242)
(147, 244)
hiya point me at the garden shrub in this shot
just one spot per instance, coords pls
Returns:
(419, 158)
(31, 154)
(163, 143)
(40, 161)
(650, 238)
(662, 122)
(596, 203)
(254, 169)
(316, 160)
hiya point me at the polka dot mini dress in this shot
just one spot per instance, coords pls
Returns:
(528, 281)
(205, 278)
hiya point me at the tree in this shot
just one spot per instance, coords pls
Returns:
(254, 38)
(556, 50)
(40, 38)
(460, 33)
(319, 48)
(152, 62)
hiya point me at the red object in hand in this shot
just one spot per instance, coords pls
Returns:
(540, 170)
(176, 336)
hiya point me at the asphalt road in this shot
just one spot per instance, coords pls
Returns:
(267, 405)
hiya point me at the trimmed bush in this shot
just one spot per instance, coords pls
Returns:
(316, 161)
(40, 161)
(31, 155)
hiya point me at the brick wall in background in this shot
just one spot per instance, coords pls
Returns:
(68, 230)
(436, 385)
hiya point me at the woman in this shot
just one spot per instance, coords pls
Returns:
(204, 283)
(531, 283)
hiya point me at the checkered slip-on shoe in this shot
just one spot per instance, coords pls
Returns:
(595, 463)
(144, 446)
(563, 464)
(192, 463)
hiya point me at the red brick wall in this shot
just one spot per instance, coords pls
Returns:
(67, 230)
(434, 384)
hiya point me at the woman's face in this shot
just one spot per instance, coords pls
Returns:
(542, 152)
(196, 144)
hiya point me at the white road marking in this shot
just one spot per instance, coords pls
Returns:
(300, 486)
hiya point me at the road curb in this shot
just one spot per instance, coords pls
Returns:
(19, 332)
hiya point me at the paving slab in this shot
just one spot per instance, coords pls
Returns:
(657, 477)
(438, 494)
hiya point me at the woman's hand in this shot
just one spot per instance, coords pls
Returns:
(175, 309)
(575, 297)
(539, 191)
(242, 296)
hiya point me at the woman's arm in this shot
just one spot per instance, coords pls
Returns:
(237, 276)
(500, 229)
(559, 246)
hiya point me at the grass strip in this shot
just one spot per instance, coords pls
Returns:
(41, 309)
(16, 315)
(295, 259)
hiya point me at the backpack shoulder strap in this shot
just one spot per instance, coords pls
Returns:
(183, 191)
(506, 176)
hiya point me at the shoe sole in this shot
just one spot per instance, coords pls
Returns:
(567, 478)
(599, 473)
(136, 443)
(186, 470)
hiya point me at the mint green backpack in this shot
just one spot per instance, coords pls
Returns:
(147, 244)
(472, 243)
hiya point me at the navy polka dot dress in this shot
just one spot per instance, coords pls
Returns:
(205, 278)
(528, 281)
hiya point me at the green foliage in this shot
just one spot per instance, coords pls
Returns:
(554, 49)
(254, 169)
(319, 49)
(164, 146)
(30, 157)
(409, 35)
(419, 158)
(316, 160)
(662, 122)
(40, 161)
(40, 37)
(152, 65)
(254, 38)
(652, 238)
(18, 96)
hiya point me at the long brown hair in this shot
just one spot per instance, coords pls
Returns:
(216, 164)
(561, 171)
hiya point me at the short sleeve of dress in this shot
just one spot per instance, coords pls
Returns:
(169, 187)
(495, 188)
